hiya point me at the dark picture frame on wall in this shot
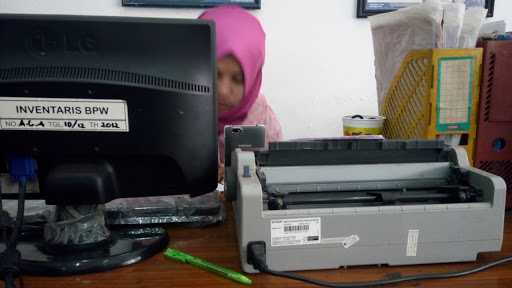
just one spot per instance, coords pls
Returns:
(365, 9)
(250, 4)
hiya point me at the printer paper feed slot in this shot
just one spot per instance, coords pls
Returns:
(439, 195)
(334, 186)
(289, 179)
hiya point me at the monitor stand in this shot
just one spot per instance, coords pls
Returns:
(79, 242)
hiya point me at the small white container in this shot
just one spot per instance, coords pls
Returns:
(354, 125)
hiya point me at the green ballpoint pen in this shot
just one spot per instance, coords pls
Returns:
(189, 259)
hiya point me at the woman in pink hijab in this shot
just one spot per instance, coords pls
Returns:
(240, 49)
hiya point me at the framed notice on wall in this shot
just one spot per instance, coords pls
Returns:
(367, 8)
(251, 4)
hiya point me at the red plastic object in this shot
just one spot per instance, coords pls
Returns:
(493, 149)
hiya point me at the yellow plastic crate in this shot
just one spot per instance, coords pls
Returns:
(435, 93)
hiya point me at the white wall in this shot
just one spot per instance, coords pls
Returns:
(319, 56)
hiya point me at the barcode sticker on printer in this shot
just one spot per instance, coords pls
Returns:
(63, 114)
(288, 232)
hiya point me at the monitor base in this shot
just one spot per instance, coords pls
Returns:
(124, 247)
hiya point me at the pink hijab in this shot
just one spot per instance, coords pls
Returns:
(238, 33)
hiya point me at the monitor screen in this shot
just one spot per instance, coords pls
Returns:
(110, 107)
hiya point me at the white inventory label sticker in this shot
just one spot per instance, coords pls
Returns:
(288, 232)
(63, 114)
(412, 243)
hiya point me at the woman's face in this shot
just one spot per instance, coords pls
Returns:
(230, 83)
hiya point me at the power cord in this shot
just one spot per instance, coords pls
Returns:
(256, 256)
(11, 257)
(4, 219)
(21, 170)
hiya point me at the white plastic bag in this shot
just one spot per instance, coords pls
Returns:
(452, 24)
(473, 20)
(492, 29)
(397, 33)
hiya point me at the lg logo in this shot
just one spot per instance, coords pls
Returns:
(43, 42)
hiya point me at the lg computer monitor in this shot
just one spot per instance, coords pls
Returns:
(109, 107)
(134, 94)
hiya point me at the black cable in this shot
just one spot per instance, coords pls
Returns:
(256, 254)
(11, 256)
(20, 213)
(397, 280)
(3, 218)
(9, 281)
